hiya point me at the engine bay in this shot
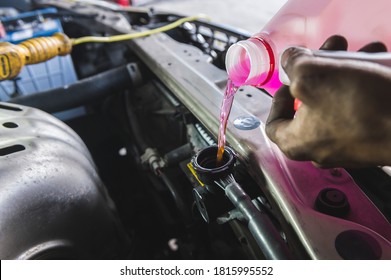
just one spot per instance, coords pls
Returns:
(107, 170)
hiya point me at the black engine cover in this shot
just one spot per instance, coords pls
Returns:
(53, 204)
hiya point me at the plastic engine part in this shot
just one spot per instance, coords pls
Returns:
(53, 204)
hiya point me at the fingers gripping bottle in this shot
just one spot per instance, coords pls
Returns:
(306, 23)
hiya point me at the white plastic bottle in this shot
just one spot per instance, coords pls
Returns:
(306, 23)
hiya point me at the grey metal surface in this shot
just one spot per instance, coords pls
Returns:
(292, 187)
(52, 201)
(259, 224)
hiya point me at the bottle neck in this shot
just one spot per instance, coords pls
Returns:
(251, 62)
(272, 60)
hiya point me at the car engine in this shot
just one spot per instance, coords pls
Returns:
(102, 152)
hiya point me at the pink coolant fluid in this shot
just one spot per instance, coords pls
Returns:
(225, 110)
(226, 106)
(306, 23)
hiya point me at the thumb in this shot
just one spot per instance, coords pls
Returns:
(290, 57)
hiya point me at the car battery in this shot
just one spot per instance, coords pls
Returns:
(56, 72)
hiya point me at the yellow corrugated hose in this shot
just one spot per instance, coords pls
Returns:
(36, 50)
(124, 37)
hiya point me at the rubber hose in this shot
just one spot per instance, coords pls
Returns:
(134, 126)
(259, 224)
(79, 93)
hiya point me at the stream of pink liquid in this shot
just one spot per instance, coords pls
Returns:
(272, 86)
(225, 110)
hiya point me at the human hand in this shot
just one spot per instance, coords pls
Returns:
(344, 119)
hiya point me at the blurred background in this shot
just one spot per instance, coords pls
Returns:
(249, 15)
